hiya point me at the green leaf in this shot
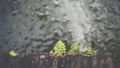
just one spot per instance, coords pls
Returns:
(90, 51)
(74, 47)
(59, 48)
(13, 53)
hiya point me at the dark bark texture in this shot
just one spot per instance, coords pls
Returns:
(44, 60)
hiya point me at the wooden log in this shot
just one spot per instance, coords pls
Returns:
(44, 60)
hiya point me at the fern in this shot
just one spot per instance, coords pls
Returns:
(59, 49)
(74, 47)
(90, 51)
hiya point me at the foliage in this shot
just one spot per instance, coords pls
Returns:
(59, 49)
(13, 53)
(74, 47)
(90, 51)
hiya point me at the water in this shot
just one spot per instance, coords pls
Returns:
(34, 26)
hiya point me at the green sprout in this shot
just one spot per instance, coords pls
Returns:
(90, 51)
(59, 49)
(74, 47)
(13, 53)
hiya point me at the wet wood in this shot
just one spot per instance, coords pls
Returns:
(44, 60)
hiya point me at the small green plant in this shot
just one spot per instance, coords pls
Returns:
(59, 49)
(74, 47)
(90, 51)
(13, 53)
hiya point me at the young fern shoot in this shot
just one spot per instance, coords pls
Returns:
(90, 51)
(74, 47)
(59, 49)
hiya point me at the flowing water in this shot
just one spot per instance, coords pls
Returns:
(32, 26)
